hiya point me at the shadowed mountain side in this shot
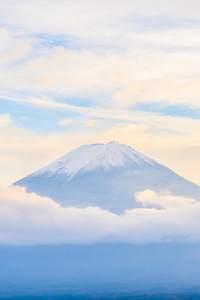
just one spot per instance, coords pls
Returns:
(107, 176)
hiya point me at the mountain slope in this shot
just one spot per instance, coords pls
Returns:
(105, 175)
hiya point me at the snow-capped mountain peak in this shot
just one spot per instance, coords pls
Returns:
(105, 175)
(90, 157)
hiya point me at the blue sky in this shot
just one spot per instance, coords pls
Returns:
(78, 72)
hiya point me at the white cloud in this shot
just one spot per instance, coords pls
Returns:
(30, 219)
(42, 101)
(164, 200)
(5, 120)
(90, 123)
(13, 47)
(177, 37)
(130, 66)
(65, 122)
(89, 20)
(106, 77)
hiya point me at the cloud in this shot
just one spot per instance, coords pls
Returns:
(5, 120)
(65, 122)
(90, 123)
(13, 47)
(31, 219)
(108, 78)
(101, 54)
(167, 201)
(42, 102)
(89, 20)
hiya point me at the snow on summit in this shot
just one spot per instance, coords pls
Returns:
(95, 156)
(107, 176)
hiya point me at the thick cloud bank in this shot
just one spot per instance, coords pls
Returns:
(31, 219)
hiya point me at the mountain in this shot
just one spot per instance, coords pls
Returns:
(105, 175)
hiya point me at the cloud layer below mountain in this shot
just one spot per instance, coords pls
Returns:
(31, 219)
